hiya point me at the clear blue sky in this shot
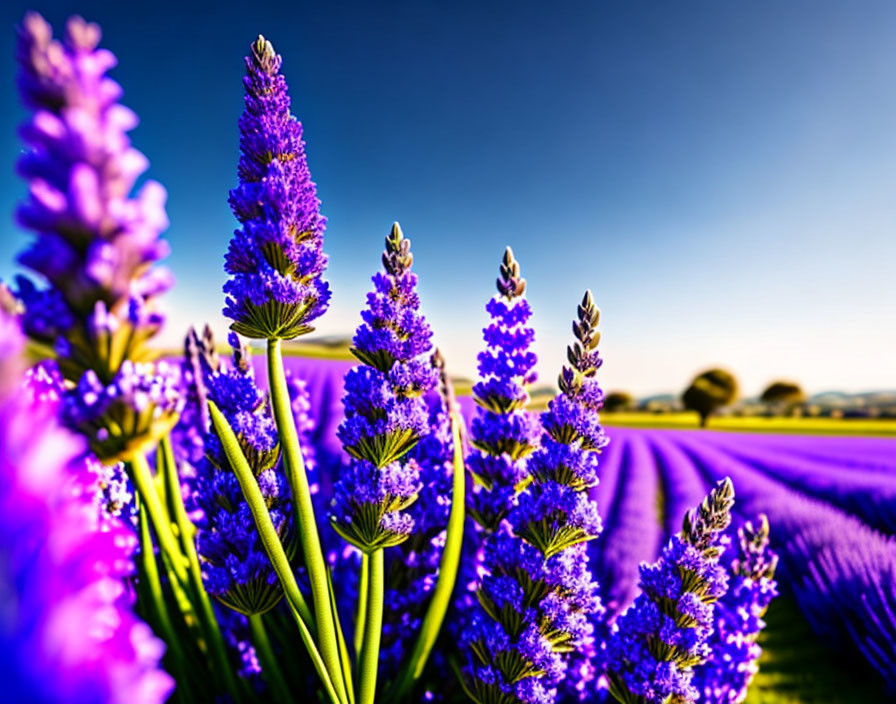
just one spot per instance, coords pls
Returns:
(722, 175)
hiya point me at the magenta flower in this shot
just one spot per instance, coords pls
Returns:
(68, 632)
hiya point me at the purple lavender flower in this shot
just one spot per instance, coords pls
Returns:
(535, 565)
(128, 415)
(368, 506)
(236, 568)
(657, 642)
(725, 677)
(502, 432)
(385, 412)
(68, 632)
(95, 245)
(276, 258)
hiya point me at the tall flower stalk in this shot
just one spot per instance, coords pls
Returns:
(276, 290)
(97, 249)
(385, 417)
(659, 640)
(96, 245)
(537, 599)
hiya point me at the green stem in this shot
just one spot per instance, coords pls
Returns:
(361, 616)
(269, 667)
(149, 571)
(143, 481)
(343, 648)
(370, 650)
(448, 566)
(271, 542)
(307, 525)
(168, 468)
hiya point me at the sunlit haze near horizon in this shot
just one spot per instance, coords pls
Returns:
(721, 175)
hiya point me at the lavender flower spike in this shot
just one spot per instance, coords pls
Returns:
(660, 639)
(559, 513)
(276, 258)
(503, 433)
(724, 678)
(95, 245)
(535, 564)
(385, 413)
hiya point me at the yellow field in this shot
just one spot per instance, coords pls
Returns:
(821, 426)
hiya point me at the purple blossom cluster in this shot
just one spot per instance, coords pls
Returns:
(658, 641)
(725, 677)
(385, 412)
(68, 632)
(95, 245)
(538, 603)
(503, 433)
(200, 366)
(130, 414)
(235, 567)
(275, 260)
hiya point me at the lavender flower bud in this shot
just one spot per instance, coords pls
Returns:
(95, 244)
(130, 414)
(535, 565)
(385, 414)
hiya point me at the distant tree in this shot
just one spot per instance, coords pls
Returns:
(708, 392)
(786, 395)
(618, 401)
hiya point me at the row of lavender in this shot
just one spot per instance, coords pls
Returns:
(254, 545)
(831, 502)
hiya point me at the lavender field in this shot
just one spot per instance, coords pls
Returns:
(832, 504)
(186, 520)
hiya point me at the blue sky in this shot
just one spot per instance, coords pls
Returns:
(722, 175)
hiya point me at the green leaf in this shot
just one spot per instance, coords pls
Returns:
(438, 607)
